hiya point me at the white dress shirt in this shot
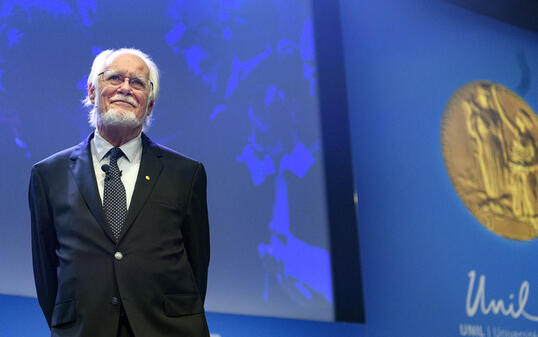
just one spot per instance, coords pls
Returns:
(128, 164)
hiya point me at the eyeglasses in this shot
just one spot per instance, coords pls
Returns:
(115, 78)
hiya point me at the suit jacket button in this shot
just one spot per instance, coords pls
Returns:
(118, 255)
(114, 300)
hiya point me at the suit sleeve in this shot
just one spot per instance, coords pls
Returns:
(44, 245)
(196, 230)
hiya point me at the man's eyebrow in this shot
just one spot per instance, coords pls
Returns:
(123, 73)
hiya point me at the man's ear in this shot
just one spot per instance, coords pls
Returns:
(150, 107)
(91, 93)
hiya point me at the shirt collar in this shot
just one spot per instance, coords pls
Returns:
(129, 149)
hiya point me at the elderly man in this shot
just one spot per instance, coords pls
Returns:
(120, 233)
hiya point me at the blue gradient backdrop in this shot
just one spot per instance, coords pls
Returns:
(404, 60)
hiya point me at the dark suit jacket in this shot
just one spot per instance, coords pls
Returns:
(160, 276)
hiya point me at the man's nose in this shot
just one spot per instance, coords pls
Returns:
(125, 86)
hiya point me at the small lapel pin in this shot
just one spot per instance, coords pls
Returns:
(147, 178)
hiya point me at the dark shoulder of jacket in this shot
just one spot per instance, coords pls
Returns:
(57, 160)
(171, 155)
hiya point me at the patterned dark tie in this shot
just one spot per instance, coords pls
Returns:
(115, 202)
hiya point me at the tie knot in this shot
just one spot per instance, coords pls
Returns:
(115, 154)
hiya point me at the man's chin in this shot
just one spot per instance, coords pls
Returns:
(115, 117)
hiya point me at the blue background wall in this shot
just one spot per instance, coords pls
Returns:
(240, 93)
(404, 60)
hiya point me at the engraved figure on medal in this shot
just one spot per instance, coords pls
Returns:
(488, 137)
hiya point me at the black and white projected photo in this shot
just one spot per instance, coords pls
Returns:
(238, 93)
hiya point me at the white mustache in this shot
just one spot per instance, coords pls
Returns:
(128, 99)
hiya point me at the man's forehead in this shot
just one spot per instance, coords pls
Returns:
(129, 63)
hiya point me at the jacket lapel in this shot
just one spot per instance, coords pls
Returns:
(148, 174)
(83, 172)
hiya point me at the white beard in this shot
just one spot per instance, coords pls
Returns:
(119, 118)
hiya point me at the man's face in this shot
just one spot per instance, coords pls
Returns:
(122, 103)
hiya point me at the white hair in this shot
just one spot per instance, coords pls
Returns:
(100, 64)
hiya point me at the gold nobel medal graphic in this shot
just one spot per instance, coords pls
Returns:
(488, 135)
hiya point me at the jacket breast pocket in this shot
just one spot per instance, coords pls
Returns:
(182, 304)
(63, 313)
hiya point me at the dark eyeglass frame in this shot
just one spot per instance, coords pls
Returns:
(131, 79)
